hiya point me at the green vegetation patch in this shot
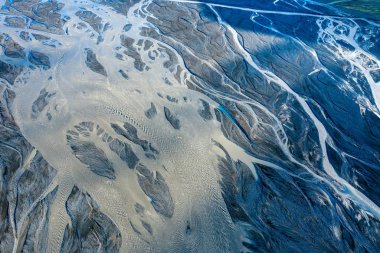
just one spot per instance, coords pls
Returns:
(359, 8)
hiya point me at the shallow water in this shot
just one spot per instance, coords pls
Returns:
(197, 126)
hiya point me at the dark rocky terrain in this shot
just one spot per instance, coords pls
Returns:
(189, 126)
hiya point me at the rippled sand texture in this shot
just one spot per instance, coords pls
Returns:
(183, 126)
